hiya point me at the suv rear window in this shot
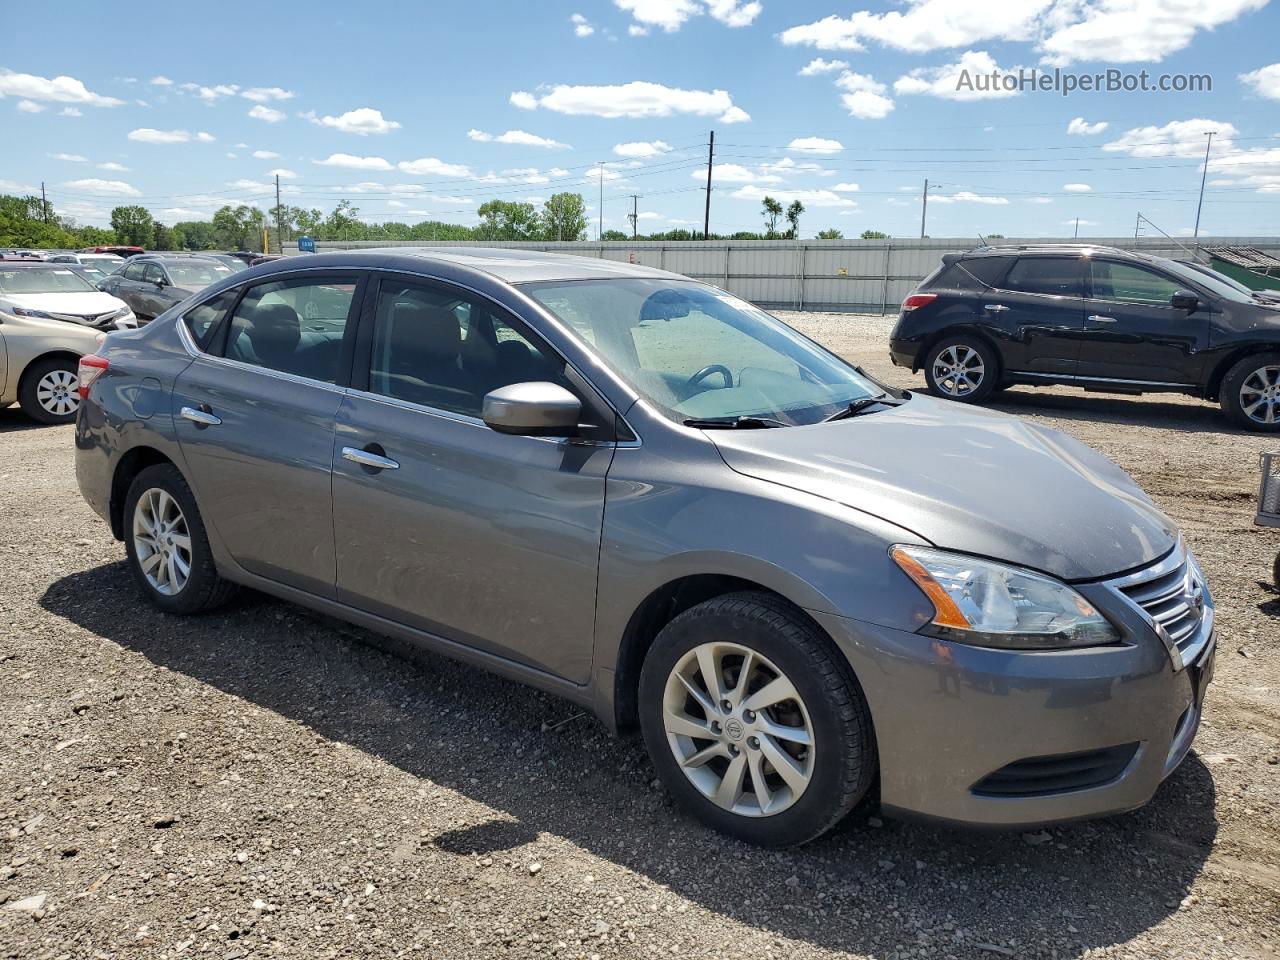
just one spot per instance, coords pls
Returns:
(1058, 276)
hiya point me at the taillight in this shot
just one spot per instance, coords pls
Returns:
(917, 300)
(91, 368)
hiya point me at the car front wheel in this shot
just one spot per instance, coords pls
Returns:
(962, 368)
(48, 391)
(754, 721)
(1250, 392)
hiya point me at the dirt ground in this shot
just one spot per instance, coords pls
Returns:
(260, 782)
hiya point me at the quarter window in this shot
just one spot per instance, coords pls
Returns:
(437, 347)
(1057, 276)
(1127, 283)
(294, 326)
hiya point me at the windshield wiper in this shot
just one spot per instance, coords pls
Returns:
(860, 405)
(735, 423)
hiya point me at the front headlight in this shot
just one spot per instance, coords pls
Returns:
(37, 314)
(989, 604)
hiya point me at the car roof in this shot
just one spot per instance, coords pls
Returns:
(1061, 249)
(35, 264)
(509, 265)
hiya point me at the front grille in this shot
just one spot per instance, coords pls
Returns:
(1172, 593)
(1041, 776)
(92, 319)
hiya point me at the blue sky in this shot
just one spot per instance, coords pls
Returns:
(416, 111)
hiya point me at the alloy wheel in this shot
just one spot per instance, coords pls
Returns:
(958, 370)
(1260, 395)
(738, 729)
(162, 541)
(56, 392)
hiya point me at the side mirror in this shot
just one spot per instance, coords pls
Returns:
(161, 283)
(1185, 300)
(535, 409)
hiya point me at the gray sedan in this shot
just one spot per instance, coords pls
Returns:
(646, 495)
(150, 285)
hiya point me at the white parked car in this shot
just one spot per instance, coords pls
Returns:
(50, 316)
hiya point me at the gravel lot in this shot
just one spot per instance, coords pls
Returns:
(260, 782)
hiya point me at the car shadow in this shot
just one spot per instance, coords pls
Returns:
(867, 887)
(1203, 417)
(13, 420)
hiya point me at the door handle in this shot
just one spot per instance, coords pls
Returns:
(201, 418)
(1095, 318)
(365, 458)
(995, 308)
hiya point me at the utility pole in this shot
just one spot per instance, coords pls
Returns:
(924, 207)
(44, 203)
(635, 214)
(1203, 174)
(279, 225)
(706, 216)
(1137, 223)
(600, 210)
(1076, 233)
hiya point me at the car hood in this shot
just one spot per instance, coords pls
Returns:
(88, 303)
(971, 480)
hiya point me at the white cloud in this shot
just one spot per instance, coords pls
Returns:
(362, 121)
(1077, 188)
(161, 81)
(639, 98)
(263, 154)
(1040, 200)
(1133, 31)
(1265, 81)
(1081, 222)
(149, 135)
(431, 166)
(70, 112)
(581, 28)
(671, 15)
(251, 185)
(818, 65)
(734, 13)
(267, 94)
(212, 93)
(114, 188)
(966, 196)
(734, 173)
(113, 167)
(269, 114)
(517, 137)
(232, 156)
(864, 96)
(846, 187)
(925, 25)
(30, 106)
(205, 137)
(1180, 138)
(641, 148)
(818, 145)
(810, 198)
(282, 173)
(353, 162)
(1081, 127)
(181, 213)
(70, 157)
(959, 80)
(58, 90)
(636, 30)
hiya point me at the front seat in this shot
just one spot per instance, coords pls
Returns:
(421, 362)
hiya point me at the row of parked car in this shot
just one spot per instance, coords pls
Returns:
(55, 307)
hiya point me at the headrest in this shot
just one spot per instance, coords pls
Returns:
(420, 330)
(274, 330)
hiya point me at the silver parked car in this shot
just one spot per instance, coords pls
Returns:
(650, 497)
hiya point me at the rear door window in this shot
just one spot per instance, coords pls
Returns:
(1056, 276)
(295, 326)
(134, 271)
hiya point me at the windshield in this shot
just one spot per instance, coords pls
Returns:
(1209, 278)
(38, 280)
(92, 274)
(195, 274)
(696, 352)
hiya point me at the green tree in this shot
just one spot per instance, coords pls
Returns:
(874, 235)
(432, 230)
(162, 238)
(830, 234)
(564, 217)
(344, 223)
(772, 211)
(133, 226)
(614, 235)
(793, 217)
(505, 220)
(194, 235)
(307, 222)
(238, 228)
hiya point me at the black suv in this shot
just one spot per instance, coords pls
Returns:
(1093, 317)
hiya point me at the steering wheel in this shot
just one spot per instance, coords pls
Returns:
(708, 370)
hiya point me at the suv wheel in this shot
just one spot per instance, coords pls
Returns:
(961, 368)
(1250, 392)
(166, 544)
(48, 391)
(754, 721)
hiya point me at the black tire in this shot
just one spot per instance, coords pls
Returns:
(28, 390)
(966, 349)
(1235, 380)
(844, 752)
(203, 589)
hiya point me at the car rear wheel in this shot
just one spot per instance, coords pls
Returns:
(167, 546)
(48, 391)
(755, 722)
(962, 368)
(1250, 392)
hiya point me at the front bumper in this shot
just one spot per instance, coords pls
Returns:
(948, 716)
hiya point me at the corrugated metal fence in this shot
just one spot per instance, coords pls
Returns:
(834, 275)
